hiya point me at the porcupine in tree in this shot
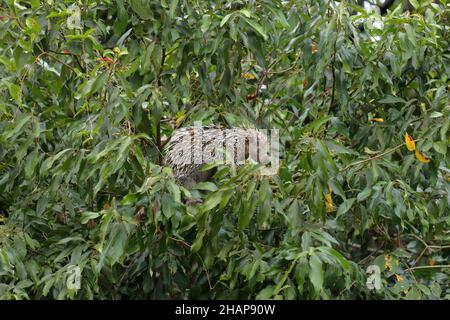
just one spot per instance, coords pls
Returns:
(192, 147)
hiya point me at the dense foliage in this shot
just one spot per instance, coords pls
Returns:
(89, 96)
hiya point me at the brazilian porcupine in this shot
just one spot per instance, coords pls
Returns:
(191, 147)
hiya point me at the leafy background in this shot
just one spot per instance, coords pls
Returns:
(84, 113)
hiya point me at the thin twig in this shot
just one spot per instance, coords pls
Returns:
(427, 247)
(180, 241)
(444, 266)
(375, 157)
(333, 71)
(158, 125)
(206, 271)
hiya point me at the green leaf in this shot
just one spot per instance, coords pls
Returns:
(14, 91)
(257, 27)
(265, 293)
(316, 273)
(117, 244)
(338, 148)
(41, 205)
(173, 6)
(88, 215)
(209, 186)
(48, 163)
(441, 147)
(246, 214)
(225, 19)
(212, 201)
(414, 3)
(318, 123)
(392, 99)
(345, 206)
(436, 114)
(33, 27)
(93, 85)
(129, 199)
(142, 8)
(198, 243)
(344, 262)
(175, 191)
(206, 22)
(30, 164)
(168, 206)
(16, 127)
(363, 195)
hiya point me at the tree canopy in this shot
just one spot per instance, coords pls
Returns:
(91, 91)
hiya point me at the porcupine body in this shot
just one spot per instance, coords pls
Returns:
(192, 147)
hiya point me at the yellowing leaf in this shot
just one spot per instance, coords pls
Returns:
(387, 262)
(421, 157)
(410, 144)
(180, 118)
(377, 120)
(329, 206)
(247, 75)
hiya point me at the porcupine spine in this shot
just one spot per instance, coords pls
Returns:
(191, 147)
